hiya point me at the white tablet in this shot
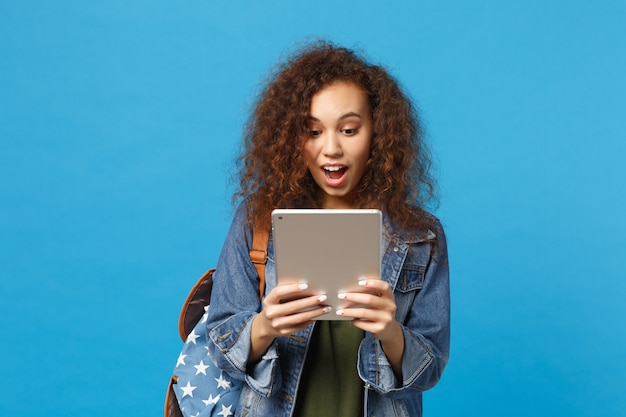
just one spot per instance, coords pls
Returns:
(330, 250)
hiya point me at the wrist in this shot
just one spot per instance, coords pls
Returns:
(392, 333)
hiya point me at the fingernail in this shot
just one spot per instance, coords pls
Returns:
(339, 312)
(363, 283)
(303, 286)
(322, 298)
(341, 295)
(327, 309)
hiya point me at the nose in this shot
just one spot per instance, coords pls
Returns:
(332, 145)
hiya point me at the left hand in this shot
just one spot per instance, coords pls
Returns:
(373, 308)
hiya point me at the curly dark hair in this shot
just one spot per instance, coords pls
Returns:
(272, 167)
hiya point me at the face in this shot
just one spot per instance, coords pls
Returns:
(338, 143)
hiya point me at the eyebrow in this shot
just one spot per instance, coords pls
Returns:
(344, 116)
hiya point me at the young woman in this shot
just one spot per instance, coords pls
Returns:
(332, 131)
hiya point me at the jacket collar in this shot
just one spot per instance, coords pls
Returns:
(392, 232)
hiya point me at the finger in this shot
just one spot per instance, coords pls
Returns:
(376, 328)
(373, 321)
(295, 313)
(373, 301)
(288, 291)
(376, 286)
(289, 307)
(366, 314)
(289, 324)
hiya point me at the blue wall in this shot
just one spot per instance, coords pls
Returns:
(119, 122)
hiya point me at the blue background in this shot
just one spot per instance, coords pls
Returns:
(119, 124)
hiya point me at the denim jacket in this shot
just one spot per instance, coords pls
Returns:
(421, 288)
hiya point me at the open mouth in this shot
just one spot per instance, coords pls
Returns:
(334, 172)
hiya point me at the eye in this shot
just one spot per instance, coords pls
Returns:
(314, 133)
(350, 132)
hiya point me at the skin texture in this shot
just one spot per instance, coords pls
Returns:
(338, 137)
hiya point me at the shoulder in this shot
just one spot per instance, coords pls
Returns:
(422, 227)
(240, 230)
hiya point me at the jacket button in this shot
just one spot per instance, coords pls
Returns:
(395, 249)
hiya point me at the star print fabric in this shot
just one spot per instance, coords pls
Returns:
(203, 390)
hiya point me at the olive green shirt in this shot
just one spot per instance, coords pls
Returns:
(330, 384)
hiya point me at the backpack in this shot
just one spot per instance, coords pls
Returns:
(198, 301)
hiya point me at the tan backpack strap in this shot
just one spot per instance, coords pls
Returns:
(258, 253)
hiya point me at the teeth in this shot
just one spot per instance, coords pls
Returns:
(334, 168)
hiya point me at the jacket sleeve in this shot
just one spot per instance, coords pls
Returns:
(234, 304)
(426, 333)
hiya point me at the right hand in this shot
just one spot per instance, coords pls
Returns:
(289, 308)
